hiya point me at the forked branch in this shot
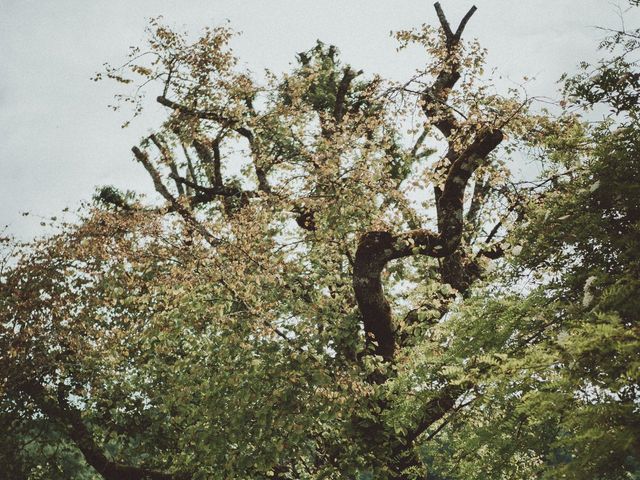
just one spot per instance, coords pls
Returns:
(436, 96)
(376, 249)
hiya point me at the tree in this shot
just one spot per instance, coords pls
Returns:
(296, 306)
(565, 405)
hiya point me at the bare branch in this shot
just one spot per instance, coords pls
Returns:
(463, 22)
(444, 23)
(453, 38)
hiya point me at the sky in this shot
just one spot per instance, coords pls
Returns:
(59, 140)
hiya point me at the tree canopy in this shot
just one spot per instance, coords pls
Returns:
(340, 278)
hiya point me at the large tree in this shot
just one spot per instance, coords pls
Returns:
(314, 295)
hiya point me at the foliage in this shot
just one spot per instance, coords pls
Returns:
(315, 294)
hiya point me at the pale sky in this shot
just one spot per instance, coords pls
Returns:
(58, 139)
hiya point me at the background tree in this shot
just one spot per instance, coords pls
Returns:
(257, 323)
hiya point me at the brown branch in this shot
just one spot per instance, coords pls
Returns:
(374, 251)
(341, 94)
(217, 162)
(207, 115)
(174, 204)
(453, 38)
(436, 96)
(444, 23)
(463, 22)
(435, 409)
(418, 144)
(494, 252)
(160, 187)
(435, 103)
(168, 158)
(450, 201)
(457, 166)
(212, 192)
(204, 154)
(305, 218)
(458, 270)
(60, 410)
(191, 170)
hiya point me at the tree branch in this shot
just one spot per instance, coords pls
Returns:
(168, 158)
(453, 38)
(212, 192)
(160, 187)
(207, 115)
(204, 154)
(435, 97)
(463, 22)
(450, 202)
(436, 409)
(341, 94)
(374, 251)
(444, 23)
(217, 162)
(79, 433)
(480, 191)
(174, 204)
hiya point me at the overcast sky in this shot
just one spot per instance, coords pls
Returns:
(58, 139)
